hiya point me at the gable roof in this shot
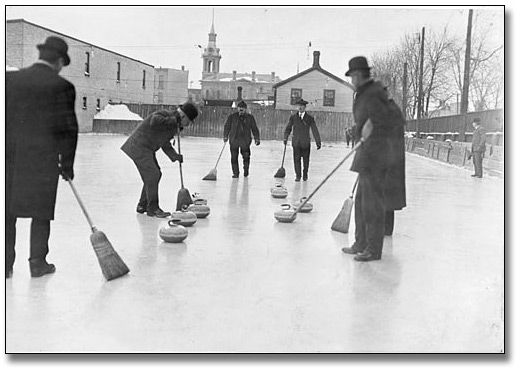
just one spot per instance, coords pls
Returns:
(314, 68)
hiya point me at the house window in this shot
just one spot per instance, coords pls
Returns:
(161, 83)
(84, 102)
(98, 104)
(296, 94)
(144, 79)
(329, 97)
(159, 97)
(118, 77)
(87, 64)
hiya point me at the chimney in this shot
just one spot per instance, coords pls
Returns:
(253, 76)
(316, 62)
(182, 67)
(234, 75)
(272, 77)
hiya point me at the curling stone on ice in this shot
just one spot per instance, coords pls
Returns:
(279, 191)
(307, 208)
(185, 217)
(173, 232)
(200, 208)
(285, 215)
(197, 196)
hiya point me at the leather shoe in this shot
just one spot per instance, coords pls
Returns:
(8, 273)
(297, 179)
(40, 267)
(140, 209)
(367, 256)
(474, 175)
(159, 213)
(353, 250)
(234, 176)
(305, 177)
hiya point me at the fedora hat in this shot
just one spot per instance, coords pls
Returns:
(242, 104)
(57, 45)
(301, 101)
(357, 63)
(190, 110)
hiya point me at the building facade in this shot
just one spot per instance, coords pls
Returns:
(234, 86)
(323, 90)
(170, 86)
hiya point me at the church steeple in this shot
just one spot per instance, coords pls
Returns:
(211, 56)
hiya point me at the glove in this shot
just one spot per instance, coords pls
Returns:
(179, 158)
(285, 142)
(66, 172)
(257, 142)
(225, 139)
(318, 146)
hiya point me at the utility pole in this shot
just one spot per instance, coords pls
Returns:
(405, 88)
(465, 85)
(419, 103)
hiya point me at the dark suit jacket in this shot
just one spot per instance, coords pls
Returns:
(237, 136)
(153, 133)
(301, 133)
(41, 127)
(479, 139)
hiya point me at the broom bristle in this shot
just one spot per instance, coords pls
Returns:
(211, 176)
(342, 221)
(110, 262)
(183, 198)
(280, 173)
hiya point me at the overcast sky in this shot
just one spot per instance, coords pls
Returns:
(261, 39)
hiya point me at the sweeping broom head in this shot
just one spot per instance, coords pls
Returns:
(111, 264)
(280, 173)
(183, 198)
(342, 221)
(211, 176)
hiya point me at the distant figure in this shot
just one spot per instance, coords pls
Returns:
(348, 134)
(156, 132)
(41, 138)
(238, 130)
(478, 147)
(299, 124)
(380, 126)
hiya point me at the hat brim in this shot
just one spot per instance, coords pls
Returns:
(66, 58)
(348, 73)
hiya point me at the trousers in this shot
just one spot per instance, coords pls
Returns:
(301, 153)
(150, 173)
(245, 151)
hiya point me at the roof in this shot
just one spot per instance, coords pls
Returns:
(73, 38)
(311, 69)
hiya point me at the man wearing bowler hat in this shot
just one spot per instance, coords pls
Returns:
(300, 124)
(379, 122)
(478, 147)
(156, 132)
(238, 130)
(41, 137)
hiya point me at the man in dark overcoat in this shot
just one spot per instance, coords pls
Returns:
(301, 124)
(41, 138)
(156, 132)
(478, 147)
(373, 161)
(238, 129)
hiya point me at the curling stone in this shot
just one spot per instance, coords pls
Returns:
(185, 217)
(307, 208)
(173, 232)
(200, 208)
(197, 196)
(285, 215)
(279, 191)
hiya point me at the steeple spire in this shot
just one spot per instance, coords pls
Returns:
(211, 56)
(213, 22)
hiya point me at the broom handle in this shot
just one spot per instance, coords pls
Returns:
(330, 174)
(283, 157)
(180, 164)
(355, 185)
(221, 151)
(81, 205)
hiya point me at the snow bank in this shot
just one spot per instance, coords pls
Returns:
(117, 112)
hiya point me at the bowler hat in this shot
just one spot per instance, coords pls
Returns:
(357, 63)
(242, 104)
(301, 102)
(57, 45)
(190, 110)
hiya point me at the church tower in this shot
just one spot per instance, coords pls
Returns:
(211, 56)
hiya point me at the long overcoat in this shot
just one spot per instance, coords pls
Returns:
(41, 128)
(241, 137)
(384, 149)
(478, 142)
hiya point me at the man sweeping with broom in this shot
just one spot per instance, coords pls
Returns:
(156, 132)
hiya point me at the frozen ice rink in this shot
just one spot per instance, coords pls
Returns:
(242, 282)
